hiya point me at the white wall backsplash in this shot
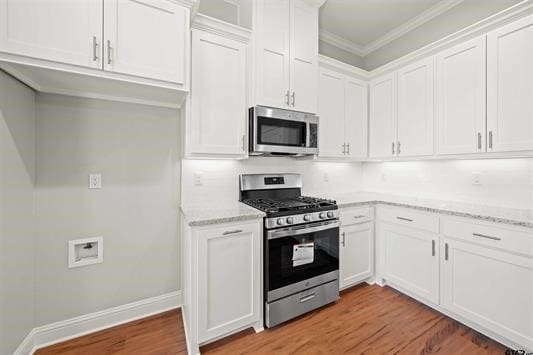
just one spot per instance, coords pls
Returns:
(504, 182)
(220, 177)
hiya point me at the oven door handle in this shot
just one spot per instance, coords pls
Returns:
(307, 134)
(287, 232)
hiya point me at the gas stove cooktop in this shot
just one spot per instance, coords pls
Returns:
(292, 204)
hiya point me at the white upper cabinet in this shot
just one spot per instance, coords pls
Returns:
(510, 87)
(331, 114)
(460, 99)
(304, 56)
(272, 53)
(217, 123)
(415, 109)
(343, 113)
(286, 54)
(130, 48)
(356, 117)
(383, 117)
(63, 31)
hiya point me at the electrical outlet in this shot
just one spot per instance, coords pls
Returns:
(384, 177)
(476, 179)
(95, 181)
(326, 177)
(198, 180)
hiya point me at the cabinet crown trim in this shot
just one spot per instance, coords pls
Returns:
(209, 24)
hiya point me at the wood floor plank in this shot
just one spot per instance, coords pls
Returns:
(366, 320)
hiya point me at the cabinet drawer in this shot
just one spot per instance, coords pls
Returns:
(410, 218)
(489, 234)
(350, 216)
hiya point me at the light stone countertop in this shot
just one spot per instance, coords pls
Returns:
(215, 213)
(224, 212)
(512, 216)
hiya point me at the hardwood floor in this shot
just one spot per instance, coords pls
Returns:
(367, 319)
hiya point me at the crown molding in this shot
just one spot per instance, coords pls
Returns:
(330, 63)
(342, 43)
(186, 3)
(417, 21)
(209, 24)
(364, 50)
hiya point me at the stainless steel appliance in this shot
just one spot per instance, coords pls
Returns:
(276, 131)
(301, 245)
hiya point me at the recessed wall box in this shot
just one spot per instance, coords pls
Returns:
(82, 252)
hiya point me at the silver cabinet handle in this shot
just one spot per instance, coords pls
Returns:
(404, 219)
(479, 140)
(343, 242)
(433, 247)
(287, 94)
(490, 139)
(359, 216)
(348, 152)
(486, 236)
(393, 151)
(95, 49)
(307, 298)
(399, 148)
(344, 148)
(446, 251)
(293, 98)
(232, 232)
(109, 49)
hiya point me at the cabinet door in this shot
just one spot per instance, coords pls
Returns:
(356, 117)
(331, 114)
(62, 31)
(356, 253)
(510, 87)
(218, 98)
(383, 117)
(415, 109)
(412, 261)
(272, 60)
(304, 56)
(229, 271)
(157, 53)
(491, 288)
(460, 99)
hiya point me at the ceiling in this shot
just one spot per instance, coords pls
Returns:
(363, 26)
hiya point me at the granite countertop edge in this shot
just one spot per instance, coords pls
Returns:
(440, 211)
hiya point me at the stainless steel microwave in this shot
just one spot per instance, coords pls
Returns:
(275, 131)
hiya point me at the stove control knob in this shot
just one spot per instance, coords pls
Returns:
(322, 215)
(331, 214)
(280, 221)
(290, 220)
(307, 218)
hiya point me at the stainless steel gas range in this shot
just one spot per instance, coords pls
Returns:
(301, 245)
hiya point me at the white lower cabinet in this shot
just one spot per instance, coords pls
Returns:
(489, 287)
(411, 260)
(222, 281)
(356, 253)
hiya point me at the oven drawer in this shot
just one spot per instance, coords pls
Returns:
(292, 306)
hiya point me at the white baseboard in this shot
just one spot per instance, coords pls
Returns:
(71, 328)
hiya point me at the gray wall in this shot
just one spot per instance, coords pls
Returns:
(136, 149)
(17, 237)
(237, 12)
(466, 13)
(340, 54)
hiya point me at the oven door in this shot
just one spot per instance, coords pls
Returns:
(282, 131)
(301, 257)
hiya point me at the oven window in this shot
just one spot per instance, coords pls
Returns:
(290, 259)
(272, 131)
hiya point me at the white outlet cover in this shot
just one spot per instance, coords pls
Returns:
(326, 176)
(476, 178)
(95, 181)
(198, 181)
